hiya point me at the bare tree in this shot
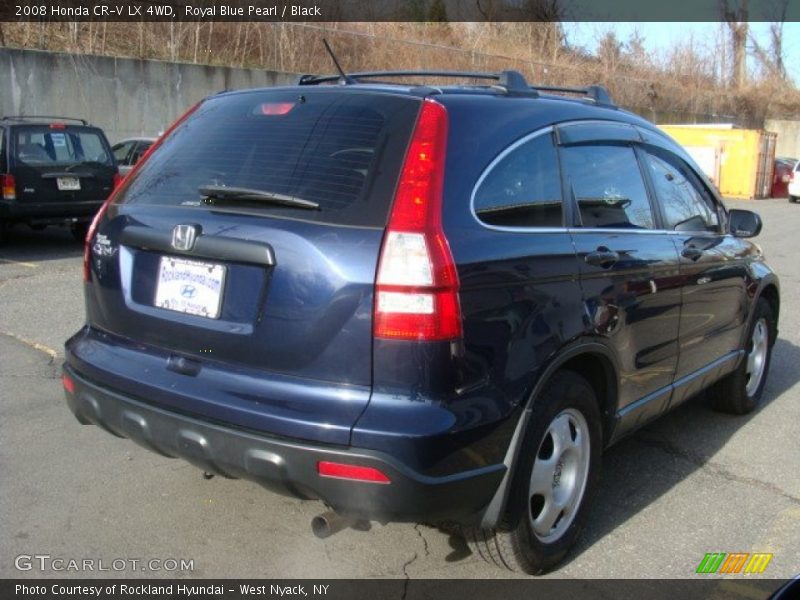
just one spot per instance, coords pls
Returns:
(736, 18)
(771, 57)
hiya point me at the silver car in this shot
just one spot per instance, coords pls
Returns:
(128, 152)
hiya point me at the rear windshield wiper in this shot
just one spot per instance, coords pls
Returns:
(221, 192)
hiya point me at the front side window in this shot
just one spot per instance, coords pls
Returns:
(608, 187)
(684, 207)
(523, 189)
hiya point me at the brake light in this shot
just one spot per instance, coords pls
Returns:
(274, 109)
(9, 185)
(57, 126)
(119, 184)
(116, 181)
(352, 472)
(416, 292)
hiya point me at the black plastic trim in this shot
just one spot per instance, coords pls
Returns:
(206, 246)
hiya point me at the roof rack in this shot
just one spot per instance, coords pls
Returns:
(510, 81)
(513, 82)
(43, 117)
(598, 93)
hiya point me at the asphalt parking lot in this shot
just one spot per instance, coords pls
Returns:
(691, 483)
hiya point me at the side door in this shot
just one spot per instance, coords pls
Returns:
(629, 269)
(713, 272)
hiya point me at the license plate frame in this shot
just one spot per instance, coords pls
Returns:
(190, 287)
(68, 184)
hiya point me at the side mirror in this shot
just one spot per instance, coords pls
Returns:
(744, 223)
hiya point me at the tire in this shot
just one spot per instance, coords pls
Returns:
(524, 541)
(79, 231)
(4, 229)
(740, 392)
(792, 199)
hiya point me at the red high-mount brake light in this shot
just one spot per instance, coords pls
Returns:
(119, 185)
(57, 126)
(352, 472)
(416, 292)
(9, 187)
(274, 109)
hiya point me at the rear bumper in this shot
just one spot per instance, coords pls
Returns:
(48, 212)
(287, 466)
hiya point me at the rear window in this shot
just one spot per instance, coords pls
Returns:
(342, 150)
(43, 146)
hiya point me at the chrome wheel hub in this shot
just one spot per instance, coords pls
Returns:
(757, 357)
(559, 475)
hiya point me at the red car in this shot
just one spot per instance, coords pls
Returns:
(781, 177)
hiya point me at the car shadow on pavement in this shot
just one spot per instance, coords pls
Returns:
(27, 245)
(646, 465)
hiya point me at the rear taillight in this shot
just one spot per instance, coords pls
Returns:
(119, 185)
(116, 181)
(416, 291)
(9, 185)
(68, 384)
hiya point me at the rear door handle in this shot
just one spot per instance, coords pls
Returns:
(691, 252)
(602, 257)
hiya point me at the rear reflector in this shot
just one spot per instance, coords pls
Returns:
(352, 472)
(9, 185)
(68, 384)
(416, 290)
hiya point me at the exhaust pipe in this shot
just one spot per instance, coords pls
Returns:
(328, 523)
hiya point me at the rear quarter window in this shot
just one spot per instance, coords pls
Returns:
(522, 188)
(342, 150)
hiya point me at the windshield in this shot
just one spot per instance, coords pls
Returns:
(339, 152)
(45, 146)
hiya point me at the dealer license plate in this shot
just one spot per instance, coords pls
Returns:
(190, 287)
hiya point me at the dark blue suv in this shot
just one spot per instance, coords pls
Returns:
(417, 302)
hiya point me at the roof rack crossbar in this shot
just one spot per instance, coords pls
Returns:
(598, 93)
(28, 117)
(513, 81)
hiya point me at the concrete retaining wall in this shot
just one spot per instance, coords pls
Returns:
(124, 96)
(788, 136)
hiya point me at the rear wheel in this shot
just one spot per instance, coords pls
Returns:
(4, 228)
(555, 478)
(740, 392)
(792, 198)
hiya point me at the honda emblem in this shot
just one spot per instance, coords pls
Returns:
(184, 236)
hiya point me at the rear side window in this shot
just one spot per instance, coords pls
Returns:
(44, 146)
(608, 186)
(523, 188)
(340, 149)
(684, 207)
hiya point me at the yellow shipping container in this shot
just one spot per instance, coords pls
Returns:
(738, 161)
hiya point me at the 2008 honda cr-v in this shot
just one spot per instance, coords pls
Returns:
(417, 302)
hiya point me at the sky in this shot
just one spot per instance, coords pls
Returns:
(660, 36)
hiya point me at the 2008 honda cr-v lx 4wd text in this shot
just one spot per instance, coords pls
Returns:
(417, 302)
